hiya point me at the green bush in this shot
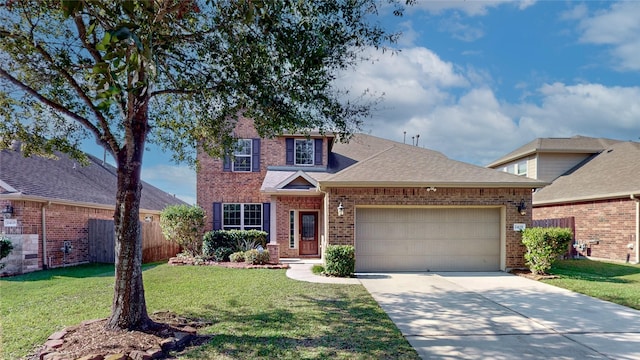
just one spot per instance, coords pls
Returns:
(237, 256)
(222, 254)
(183, 224)
(256, 257)
(544, 245)
(340, 260)
(236, 240)
(5, 248)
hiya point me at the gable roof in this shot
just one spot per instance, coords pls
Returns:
(576, 144)
(613, 173)
(370, 161)
(63, 179)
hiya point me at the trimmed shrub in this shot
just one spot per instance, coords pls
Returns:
(237, 256)
(544, 245)
(5, 248)
(183, 224)
(256, 257)
(340, 260)
(222, 254)
(238, 240)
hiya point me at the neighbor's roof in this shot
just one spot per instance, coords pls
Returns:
(575, 144)
(370, 161)
(63, 179)
(614, 173)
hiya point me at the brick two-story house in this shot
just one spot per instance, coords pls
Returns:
(594, 181)
(403, 207)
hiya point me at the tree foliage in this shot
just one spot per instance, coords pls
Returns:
(544, 245)
(184, 225)
(177, 73)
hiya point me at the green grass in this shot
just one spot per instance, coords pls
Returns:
(615, 282)
(253, 313)
(317, 269)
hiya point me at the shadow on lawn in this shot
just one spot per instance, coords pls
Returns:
(76, 271)
(590, 270)
(333, 327)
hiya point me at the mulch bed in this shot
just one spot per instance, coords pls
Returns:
(178, 261)
(527, 273)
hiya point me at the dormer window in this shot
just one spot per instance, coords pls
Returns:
(304, 152)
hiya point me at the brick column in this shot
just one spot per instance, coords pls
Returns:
(274, 253)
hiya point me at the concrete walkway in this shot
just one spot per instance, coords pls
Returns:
(502, 316)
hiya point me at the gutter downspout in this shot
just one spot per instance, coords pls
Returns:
(637, 245)
(45, 264)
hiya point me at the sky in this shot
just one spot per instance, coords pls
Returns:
(478, 79)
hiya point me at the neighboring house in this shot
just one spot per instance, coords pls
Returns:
(401, 206)
(47, 203)
(595, 181)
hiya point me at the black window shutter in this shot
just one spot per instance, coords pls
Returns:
(266, 218)
(255, 155)
(217, 216)
(226, 165)
(318, 152)
(289, 142)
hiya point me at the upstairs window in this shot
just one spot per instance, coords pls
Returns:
(304, 152)
(521, 168)
(242, 156)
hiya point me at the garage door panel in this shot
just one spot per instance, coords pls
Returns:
(435, 239)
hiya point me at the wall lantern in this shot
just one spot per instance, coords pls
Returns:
(7, 212)
(340, 209)
(522, 208)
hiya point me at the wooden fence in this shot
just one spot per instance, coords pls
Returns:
(102, 242)
(568, 222)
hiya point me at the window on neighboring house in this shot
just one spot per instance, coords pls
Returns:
(242, 216)
(521, 168)
(242, 156)
(304, 152)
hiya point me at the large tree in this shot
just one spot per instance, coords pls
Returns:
(176, 73)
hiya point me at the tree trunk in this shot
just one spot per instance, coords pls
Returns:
(129, 309)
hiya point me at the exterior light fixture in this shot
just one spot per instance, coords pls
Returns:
(340, 209)
(522, 208)
(7, 212)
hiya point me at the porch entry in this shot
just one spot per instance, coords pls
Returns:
(308, 233)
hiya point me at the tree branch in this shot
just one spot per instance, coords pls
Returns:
(57, 107)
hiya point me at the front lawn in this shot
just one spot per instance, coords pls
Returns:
(615, 282)
(254, 313)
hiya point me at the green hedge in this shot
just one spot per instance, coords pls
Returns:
(340, 260)
(236, 240)
(544, 245)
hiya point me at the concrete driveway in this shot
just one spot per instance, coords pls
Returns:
(502, 316)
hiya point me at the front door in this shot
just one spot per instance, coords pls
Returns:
(308, 233)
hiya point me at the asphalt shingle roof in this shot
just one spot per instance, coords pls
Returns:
(575, 144)
(65, 179)
(374, 161)
(614, 172)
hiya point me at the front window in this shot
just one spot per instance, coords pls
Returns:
(304, 152)
(242, 156)
(242, 216)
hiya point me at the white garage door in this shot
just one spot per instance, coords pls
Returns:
(433, 239)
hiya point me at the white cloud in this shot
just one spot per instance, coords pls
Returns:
(617, 27)
(177, 180)
(455, 110)
(470, 8)
(461, 30)
(578, 12)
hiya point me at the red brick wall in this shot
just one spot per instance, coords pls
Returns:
(215, 185)
(63, 222)
(284, 204)
(342, 229)
(611, 222)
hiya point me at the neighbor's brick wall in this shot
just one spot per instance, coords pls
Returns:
(284, 204)
(342, 230)
(215, 185)
(63, 222)
(611, 222)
